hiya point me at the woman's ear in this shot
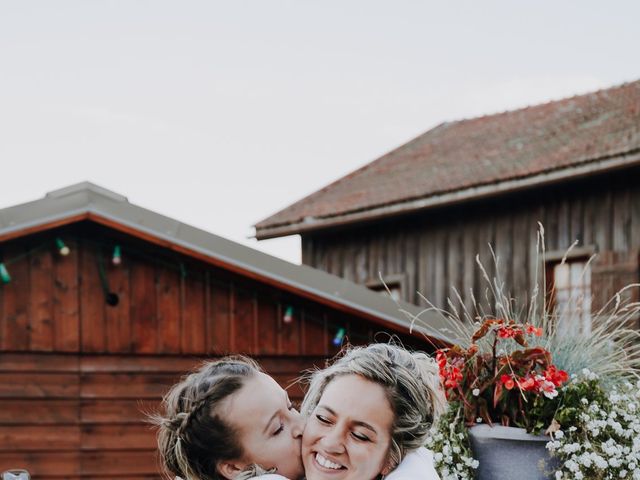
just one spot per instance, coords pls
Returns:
(230, 469)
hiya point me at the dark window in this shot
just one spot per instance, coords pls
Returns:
(394, 284)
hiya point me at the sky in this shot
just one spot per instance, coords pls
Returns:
(221, 113)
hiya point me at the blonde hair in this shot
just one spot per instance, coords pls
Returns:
(192, 436)
(410, 379)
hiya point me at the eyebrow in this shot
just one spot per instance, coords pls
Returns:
(360, 423)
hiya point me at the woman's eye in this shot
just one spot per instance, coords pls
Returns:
(322, 419)
(361, 436)
(279, 430)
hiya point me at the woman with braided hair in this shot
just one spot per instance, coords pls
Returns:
(229, 420)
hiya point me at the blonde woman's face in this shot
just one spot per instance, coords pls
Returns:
(269, 428)
(348, 435)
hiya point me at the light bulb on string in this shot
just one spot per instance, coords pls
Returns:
(337, 340)
(4, 274)
(116, 258)
(288, 315)
(62, 248)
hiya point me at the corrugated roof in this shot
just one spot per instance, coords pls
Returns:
(86, 201)
(467, 159)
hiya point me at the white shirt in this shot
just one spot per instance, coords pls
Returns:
(418, 465)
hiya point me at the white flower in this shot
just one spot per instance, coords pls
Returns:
(476, 392)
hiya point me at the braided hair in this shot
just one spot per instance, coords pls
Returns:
(192, 436)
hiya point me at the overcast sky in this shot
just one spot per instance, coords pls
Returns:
(219, 114)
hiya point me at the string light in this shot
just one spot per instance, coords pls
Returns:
(337, 340)
(4, 274)
(62, 248)
(116, 258)
(288, 315)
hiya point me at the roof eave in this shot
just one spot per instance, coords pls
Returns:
(451, 198)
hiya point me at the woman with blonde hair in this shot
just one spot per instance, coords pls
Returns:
(369, 415)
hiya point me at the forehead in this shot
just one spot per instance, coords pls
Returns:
(258, 398)
(358, 399)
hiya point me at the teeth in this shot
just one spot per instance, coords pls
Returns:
(325, 462)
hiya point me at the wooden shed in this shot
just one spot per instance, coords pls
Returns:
(419, 214)
(104, 304)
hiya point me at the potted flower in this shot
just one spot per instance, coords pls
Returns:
(527, 402)
(492, 390)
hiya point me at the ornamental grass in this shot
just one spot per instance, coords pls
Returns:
(511, 365)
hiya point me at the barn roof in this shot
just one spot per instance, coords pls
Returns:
(470, 159)
(86, 201)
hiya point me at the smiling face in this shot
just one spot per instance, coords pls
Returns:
(269, 428)
(348, 434)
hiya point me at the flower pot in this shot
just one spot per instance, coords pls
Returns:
(507, 453)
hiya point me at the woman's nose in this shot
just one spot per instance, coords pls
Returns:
(297, 424)
(332, 441)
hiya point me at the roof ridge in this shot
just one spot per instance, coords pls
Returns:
(85, 186)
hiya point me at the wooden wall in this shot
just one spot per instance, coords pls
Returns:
(83, 416)
(166, 305)
(436, 250)
(77, 375)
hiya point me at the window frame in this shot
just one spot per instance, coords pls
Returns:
(551, 260)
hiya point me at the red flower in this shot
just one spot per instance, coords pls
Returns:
(555, 376)
(507, 381)
(537, 331)
(509, 332)
(452, 377)
(441, 358)
(528, 384)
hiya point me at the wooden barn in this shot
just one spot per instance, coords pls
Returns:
(421, 213)
(104, 304)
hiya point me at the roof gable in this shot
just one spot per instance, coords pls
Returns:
(86, 201)
(469, 159)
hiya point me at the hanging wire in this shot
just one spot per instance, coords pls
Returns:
(110, 297)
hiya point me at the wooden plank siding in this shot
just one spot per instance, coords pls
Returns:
(85, 415)
(436, 250)
(57, 304)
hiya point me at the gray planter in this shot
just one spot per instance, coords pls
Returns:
(508, 453)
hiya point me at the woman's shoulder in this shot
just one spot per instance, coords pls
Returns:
(269, 476)
(416, 465)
